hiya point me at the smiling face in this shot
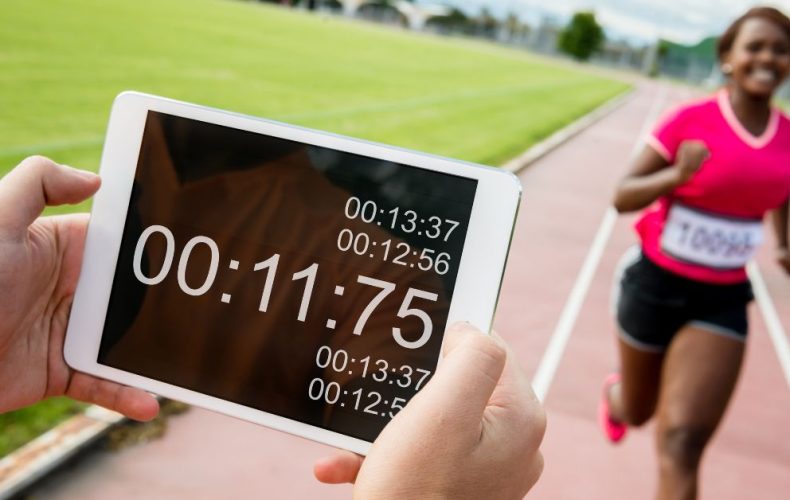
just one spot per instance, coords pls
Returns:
(759, 57)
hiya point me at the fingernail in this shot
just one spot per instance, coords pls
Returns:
(85, 174)
(461, 326)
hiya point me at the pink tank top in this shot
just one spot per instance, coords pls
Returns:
(707, 228)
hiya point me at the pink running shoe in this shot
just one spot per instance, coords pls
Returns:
(614, 430)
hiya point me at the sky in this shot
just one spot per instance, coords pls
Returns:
(683, 21)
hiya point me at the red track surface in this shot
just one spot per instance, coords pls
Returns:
(566, 195)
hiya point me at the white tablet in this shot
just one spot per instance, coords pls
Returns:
(290, 277)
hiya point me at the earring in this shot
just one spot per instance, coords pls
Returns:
(726, 68)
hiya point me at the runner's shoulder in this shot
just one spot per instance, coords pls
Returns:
(690, 110)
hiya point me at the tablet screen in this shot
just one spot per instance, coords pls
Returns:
(302, 281)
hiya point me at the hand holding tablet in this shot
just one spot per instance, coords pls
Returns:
(38, 180)
(290, 277)
(413, 452)
(40, 261)
(473, 440)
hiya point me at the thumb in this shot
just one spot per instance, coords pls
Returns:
(466, 377)
(343, 467)
(36, 183)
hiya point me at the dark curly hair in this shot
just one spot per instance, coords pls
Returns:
(766, 13)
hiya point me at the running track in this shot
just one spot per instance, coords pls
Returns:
(554, 310)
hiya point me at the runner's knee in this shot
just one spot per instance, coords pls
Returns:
(681, 446)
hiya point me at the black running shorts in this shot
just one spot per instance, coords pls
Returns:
(653, 304)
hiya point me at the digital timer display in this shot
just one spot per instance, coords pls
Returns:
(301, 281)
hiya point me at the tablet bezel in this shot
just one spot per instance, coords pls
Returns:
(477, 286)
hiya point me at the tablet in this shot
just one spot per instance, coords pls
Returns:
(293, 278)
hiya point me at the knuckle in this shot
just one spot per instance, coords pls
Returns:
(487, 347)
(541, 422)
(35, 161)
(37, 164)
(536, 423)
(484, 356)
(530, 416)
(531, 469)
(537, 467)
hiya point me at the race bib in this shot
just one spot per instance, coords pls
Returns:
(710, 240)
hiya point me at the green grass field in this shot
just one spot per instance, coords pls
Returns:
(19, 427)
(63, 61)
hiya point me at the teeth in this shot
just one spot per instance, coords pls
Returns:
(763, 75)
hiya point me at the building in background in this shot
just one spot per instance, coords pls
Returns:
(694, 63)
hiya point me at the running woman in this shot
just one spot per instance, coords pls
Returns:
(707, 176)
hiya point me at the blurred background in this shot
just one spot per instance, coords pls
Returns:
(479, 80)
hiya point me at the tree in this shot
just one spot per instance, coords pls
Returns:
(514, 29)
(454, 22)
(582, 37)
(486, 23)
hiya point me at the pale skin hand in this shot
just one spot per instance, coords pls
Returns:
(40, 261)
(473, 432)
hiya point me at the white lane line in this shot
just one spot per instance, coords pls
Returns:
(772, 322)
(562, 332)
(570, 312)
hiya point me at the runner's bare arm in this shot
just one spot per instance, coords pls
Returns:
(649, 178)
(780, 221)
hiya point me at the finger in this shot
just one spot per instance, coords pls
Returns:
(534, 471)
(465, 379)
(36, 183)
(514, 408)
(70, 231)
(342, 467)
(133, 403)
(513, 377)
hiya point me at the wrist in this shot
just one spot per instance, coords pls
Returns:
(678, 176)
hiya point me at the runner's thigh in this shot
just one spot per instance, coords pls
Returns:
(699, 375)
